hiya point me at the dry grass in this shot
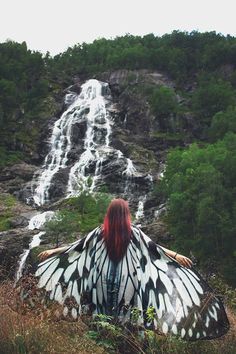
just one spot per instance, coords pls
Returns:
(39, 330)
(30, 327)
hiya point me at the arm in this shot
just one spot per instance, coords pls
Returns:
(48, 253)
(184, 261)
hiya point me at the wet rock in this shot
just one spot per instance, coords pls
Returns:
(78, 132)
(59, 184)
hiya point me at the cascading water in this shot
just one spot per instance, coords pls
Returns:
(90, 112)
(92, 108)
(97, 139)
(36, 222)
(140, 212)
(60, 141)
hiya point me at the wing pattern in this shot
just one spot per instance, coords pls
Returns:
(85, 280)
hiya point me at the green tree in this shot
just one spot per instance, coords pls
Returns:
(211, 97)
(222, 123)
(164, 105)
(200, 187)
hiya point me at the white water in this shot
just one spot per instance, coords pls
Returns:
(140, 212)
(89, 100)
(97, 139)
(90, 106)
(36, 222)
(34, 243)
(130, 169)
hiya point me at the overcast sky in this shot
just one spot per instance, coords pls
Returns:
(54, 25)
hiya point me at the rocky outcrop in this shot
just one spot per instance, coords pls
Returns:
(12, 245)
(12, 178)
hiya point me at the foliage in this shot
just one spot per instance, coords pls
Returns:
(7, 202)
(180, 54)
(200, 186)
(212, 95)
(23, 89)
(163, 104)
(78, 215)
(222, 123)
(30, 82)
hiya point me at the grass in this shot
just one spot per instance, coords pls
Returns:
(7, 204)
(39, 330)
(9, 157)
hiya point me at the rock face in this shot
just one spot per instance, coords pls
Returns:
(13, 177)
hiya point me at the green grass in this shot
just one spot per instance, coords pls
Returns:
(7, 203)
(9, 157)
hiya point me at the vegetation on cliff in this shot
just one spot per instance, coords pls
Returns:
(201, 64)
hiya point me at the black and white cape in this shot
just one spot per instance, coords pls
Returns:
(85, 280)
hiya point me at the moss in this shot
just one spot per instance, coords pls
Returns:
(168, 136)
(9, 157)
(7, 203)
(143, 157)
(4, 223)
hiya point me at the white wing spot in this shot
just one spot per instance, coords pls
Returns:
(183, 292)
(74, 313)
(207, 321)
(65, 311)
(213, 314)
(58, 294)
(48, 273)
(165, 327)
(174, 329)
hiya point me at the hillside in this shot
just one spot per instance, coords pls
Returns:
(163, 136)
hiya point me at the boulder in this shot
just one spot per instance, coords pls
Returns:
(18, 221)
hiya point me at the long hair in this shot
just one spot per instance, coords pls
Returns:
(117, 229)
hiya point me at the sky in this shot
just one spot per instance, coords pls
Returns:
(54, 25)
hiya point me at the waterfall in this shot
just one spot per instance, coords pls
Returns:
(90, 109)
(35, 242)
(97, 139)
(36, 222)
(89, 105)
(140, 212)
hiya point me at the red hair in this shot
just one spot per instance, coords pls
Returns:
(117, 229)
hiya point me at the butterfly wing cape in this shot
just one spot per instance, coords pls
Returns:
(85, 280)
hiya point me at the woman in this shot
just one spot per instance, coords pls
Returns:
(117, 269)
